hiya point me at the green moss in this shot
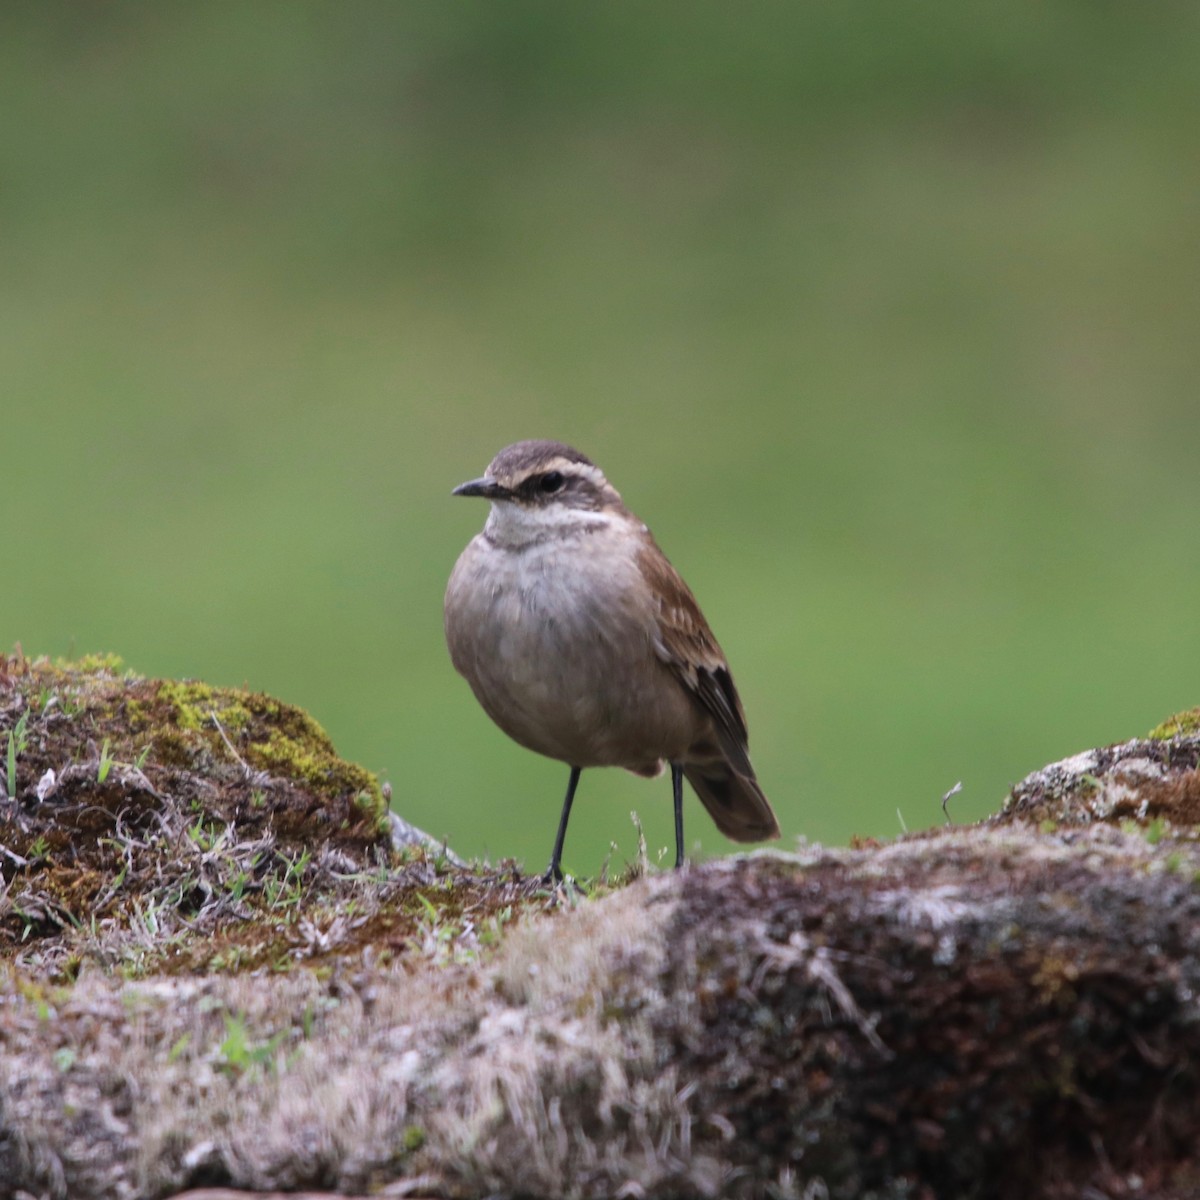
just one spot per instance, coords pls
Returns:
(193, 705)
(414, 1138)
(1180, 724)
(302, 750)
(92, 664)
(171, 748)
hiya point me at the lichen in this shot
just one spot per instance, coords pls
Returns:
(1142, 781)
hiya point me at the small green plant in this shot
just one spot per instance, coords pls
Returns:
(207, 836)
(230, 959)
(140, 761)
(28, 921)
(286, 892)
(18, 739)
(238, 1053)
(442, 940)
(149, 918)
(179, 1046)
(492, 932)
(106, 762)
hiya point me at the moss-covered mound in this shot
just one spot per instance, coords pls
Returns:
(152, 825)
(1152, 781)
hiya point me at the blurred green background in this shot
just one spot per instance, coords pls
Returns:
(885, 318)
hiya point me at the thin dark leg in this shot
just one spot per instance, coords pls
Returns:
(554, 871)
(677, 789)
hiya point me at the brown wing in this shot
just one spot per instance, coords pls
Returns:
(686, 644)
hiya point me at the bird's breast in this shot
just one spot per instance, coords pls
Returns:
(557, 642)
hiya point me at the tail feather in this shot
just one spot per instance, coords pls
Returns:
(734, 801)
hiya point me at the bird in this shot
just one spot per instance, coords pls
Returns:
(582, 642)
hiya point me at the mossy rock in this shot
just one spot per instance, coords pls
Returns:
(173, 826)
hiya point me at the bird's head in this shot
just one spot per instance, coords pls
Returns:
(541, 490)
(543, 484)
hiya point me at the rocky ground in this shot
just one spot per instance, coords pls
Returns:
(221, 968)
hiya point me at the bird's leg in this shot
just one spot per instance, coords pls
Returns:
(677, 790)
(554, 871)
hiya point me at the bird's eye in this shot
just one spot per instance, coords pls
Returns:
(552, 482)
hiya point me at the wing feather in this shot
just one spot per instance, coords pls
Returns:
(685, 643)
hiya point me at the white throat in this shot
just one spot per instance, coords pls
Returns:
(517, 525)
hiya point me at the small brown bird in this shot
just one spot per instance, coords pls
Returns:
(582, 642)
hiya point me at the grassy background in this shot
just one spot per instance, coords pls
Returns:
(885, 319)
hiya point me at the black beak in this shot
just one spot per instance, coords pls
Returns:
(489, 489)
